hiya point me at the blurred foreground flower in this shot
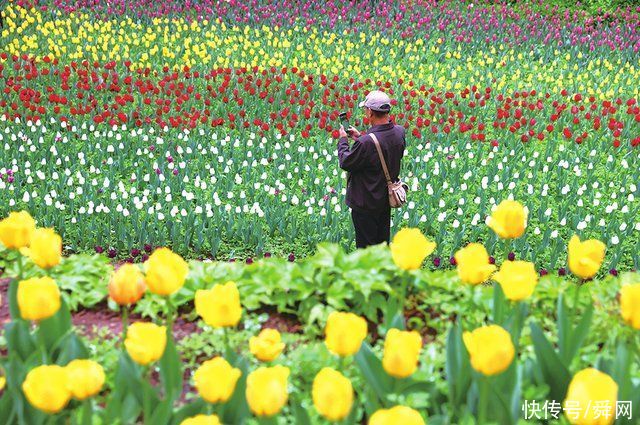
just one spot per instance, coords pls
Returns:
(267, 390)
(397, 415)
(46, 388)
(219, 306)
(473, 264)
(145, 342)
(332, 394)
(630, 304)
(127, 285)
(45, 248)
(86, 378)
(508, 220)
(202, 420)
(586, 388)
(166, 271)
(267, 345)
(38, 298)
(16, 230)
(401, 352)
(216, 380)
(518, 279)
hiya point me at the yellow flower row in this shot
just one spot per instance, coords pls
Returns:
(176, 42)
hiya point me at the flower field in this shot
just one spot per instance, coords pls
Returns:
(145, 144)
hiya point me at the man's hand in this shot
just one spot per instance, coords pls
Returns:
(342, 132)
(353, 132)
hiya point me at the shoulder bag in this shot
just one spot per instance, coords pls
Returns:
(397, 190)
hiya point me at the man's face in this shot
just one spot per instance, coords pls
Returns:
(367, 113)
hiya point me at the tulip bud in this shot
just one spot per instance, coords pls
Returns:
(47, 388)
(587, 387)
(473, 264)
(401, 352)
(219, 306)
(491, 349)
(344, 333)
(508, 220)
(332, 394)
(216, 380)
(409, 248)
(395, 416)
(202, 420)
(86, 378)
(38, 298)
(518, 279)
(267, 345)
(45, 248)
(166, 271)
(585, 258)
(127, 285)
(16, 230)
(630, 305)
(145, 342)
(267, 390)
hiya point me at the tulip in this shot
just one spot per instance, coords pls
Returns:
(145, 342)
(508, 220)
(47, 388)
(45, 248)
(38, 298)
(17, 229)
(216, 380)
(409, 248)
(202, 420)
(344, 333)
(219, 306)
(401, 352)
(586, 388)
(127, 285)
(518, 279)
(267, 345)
(332, 394)
(473, 264)
(585, 258)
(166, 271)
(86, 378)
(395, 416)
(630, 305)
(491, 349)
(267, 390)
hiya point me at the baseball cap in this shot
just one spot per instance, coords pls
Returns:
(377, 101)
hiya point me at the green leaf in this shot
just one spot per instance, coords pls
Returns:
(12, 295)
(300, 414)
(555, 373)
(236, 410)
(373, 372)
(457, 367)
(19, 340)
(70, 348)
(53, 329)
(171, 370)
(192, 409)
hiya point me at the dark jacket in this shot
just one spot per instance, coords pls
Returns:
(366, 183)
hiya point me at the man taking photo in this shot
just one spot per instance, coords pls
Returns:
(367, 193)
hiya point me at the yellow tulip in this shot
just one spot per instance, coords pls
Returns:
(518, 279)
(509, 219)
(630, 305)
(216, 380)
(395, 416)
(202, 420)
(332, 394)
(588, 387)
(409, 248)
(3, 382)
(38, 298)
(16, 230)
(401, 352)
(46, 388)
(344, 333)
(267, 390)
(86, 378)
(45, 248)
(145, 342)
(585, 258)
(473, 264)
(219, 306)
(166, 271)
(491, 349)
(267, 345)
(127, 285)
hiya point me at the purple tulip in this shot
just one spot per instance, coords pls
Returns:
(543, 272)
(511, 256)
(613, 272)
(292, 257)
(562, 271)
(267, 255)
(10, 179)
(249, 260)
(232, 260)
(144, 257)
(492, 260)
(135, 252)
(148, 248)
(436, 261)
(99, 249)
(112, 253)
(452, 261)
(175, 171)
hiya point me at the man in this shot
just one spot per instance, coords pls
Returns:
(367, 193)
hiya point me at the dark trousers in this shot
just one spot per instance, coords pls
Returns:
(372, 228)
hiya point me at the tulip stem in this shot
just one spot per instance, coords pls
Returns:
(482, 406)
(43, 346)
(125, 321)
(87, 412)
(170, 314)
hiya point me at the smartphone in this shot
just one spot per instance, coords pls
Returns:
(345, 122)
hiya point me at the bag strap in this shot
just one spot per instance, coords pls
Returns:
(384, 164)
